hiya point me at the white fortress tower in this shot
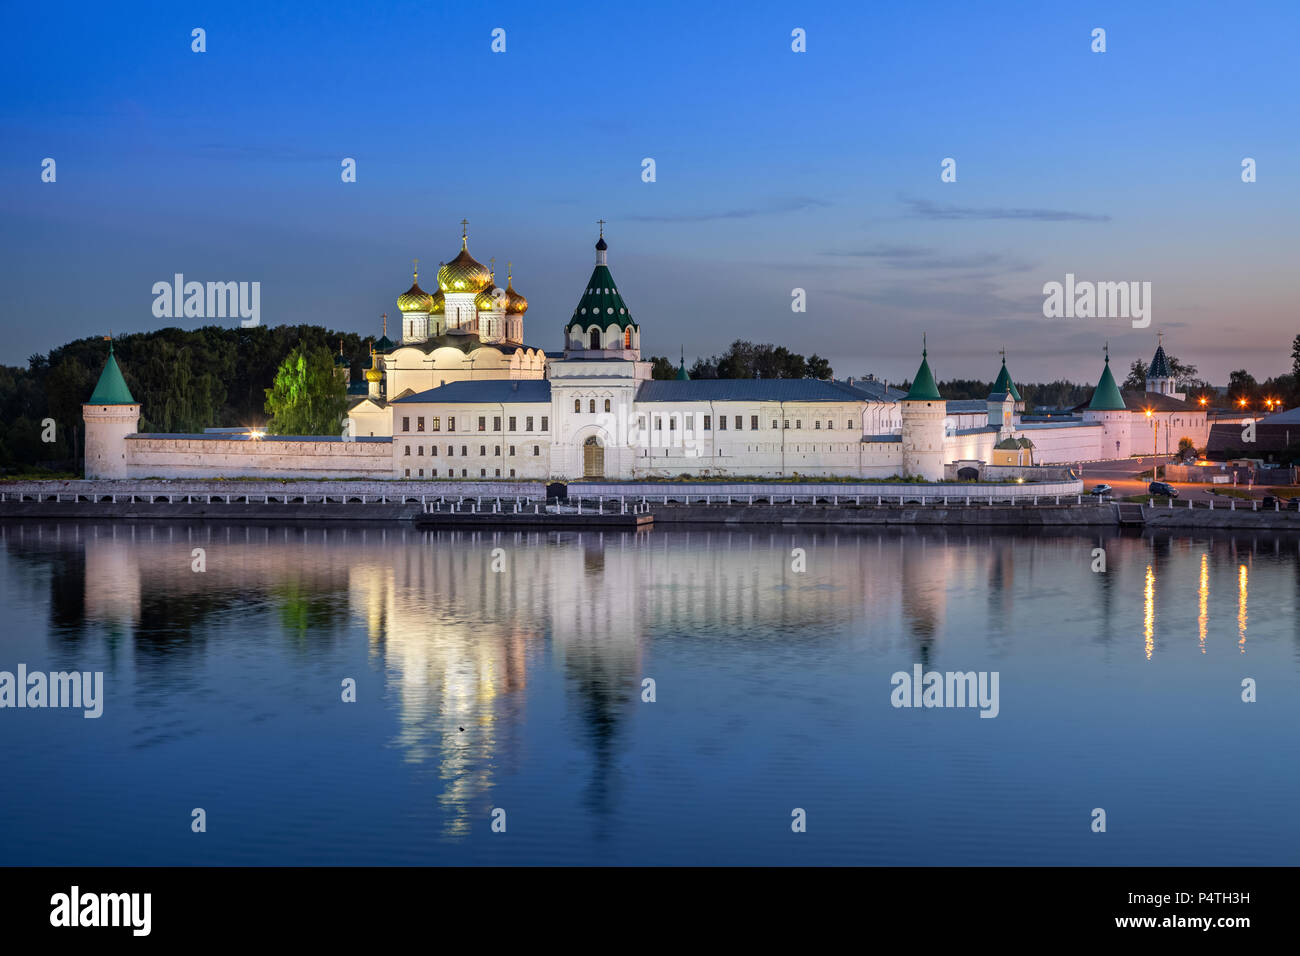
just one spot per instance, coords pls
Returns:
(923, 411)
(110, 415)
(1108, 410)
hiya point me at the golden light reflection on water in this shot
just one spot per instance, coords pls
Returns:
(1203, 593)
(1149, 611)
(1241, 606)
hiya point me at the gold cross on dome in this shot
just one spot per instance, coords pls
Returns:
(601, 223)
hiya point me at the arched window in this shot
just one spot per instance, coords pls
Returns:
(595, 338)
(591, 406)
(607, 404)
(627, 341)
(577, 405)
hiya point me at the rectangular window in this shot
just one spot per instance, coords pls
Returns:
(451, 424)
(753, 423)
(482, 423)
(830, 424)
(775, 423)
(421, 472)
(708, 423)
(818, 424)
(408, 473)
(512, 472)
(451, 451)
(497, 452)
(482, 472)
(482, 450)
(537, 450)
(512, 450)
(512, 423)
(798, 423)
(607, 404)
(496, 423)
(498, 472)
(722, 423)
(528, 423)
(419, 424)
(577, 405)
(434, 472)
(419, 451)
(408, 451)
(672, 423)
(435, 424)
(659, 423)
(545, 421)
(406, 423)
(464, 472)
(464, 450)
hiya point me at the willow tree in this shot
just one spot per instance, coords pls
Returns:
(308, 398)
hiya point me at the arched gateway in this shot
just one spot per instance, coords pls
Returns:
(593, 458)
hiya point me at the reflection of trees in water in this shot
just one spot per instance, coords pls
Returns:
(308, 613)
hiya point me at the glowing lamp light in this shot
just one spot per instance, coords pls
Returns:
(256, 435)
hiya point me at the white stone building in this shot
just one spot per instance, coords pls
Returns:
(461, 397)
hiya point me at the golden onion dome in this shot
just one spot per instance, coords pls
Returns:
(439, 304)
(516, 304)
(464, 273)
(490, 299)
(415, 299)
(374, 375)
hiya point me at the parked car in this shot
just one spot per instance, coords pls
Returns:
(1162, 488)
(1102, 489)
(1269, 501)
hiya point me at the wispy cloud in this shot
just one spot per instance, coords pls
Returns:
(921, 258)
(927, 209)
(776, 207)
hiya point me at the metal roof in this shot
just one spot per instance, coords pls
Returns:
(486, 390)
(762, 390)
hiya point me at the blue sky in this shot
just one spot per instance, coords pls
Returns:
(775, 170)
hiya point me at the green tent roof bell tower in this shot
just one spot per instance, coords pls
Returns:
(1004, 383)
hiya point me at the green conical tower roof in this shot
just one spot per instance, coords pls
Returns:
(923, 387)
(682, 374)
(1106, 396)
(111, 389)
(1004, 383)
(601, 304)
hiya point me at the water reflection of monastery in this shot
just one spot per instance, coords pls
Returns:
(462, 651)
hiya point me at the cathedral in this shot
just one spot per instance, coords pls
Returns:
(462, 397)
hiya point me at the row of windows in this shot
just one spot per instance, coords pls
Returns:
(464, 473)
(435, 423)
(591, 406)
(688, 418)
(464, 450)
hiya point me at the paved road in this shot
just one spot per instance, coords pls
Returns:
(1123, 475)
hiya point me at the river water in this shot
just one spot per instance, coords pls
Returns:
(500, 676)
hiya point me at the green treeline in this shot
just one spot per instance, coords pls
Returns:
(185, 381)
